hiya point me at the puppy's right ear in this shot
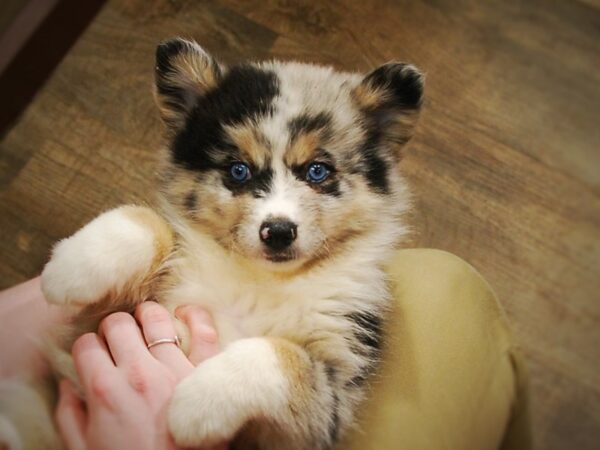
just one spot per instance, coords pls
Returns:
(184, 72)
(391, 96)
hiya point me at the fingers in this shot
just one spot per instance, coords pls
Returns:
(123, 337)
(204, 341)
(157, 324)
(91, 358)
(126, 343)
(71, 417)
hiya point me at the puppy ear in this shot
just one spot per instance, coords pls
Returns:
(184, 72)
(391, 97)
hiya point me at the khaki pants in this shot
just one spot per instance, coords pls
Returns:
(451, 377)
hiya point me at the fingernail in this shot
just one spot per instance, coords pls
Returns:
(208, 334)
(187, 310)
(180, 310)
(202, 326)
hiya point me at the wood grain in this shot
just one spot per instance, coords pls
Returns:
(9, 10)
(505, 165)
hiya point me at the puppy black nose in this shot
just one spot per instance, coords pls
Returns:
(278, 234)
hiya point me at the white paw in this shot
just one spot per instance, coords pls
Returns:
(225, 392)
(98, 260)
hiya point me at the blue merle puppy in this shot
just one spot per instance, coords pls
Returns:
(280, 202)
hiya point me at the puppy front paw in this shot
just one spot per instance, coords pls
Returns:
(225, 392)
(99, 259)
(204, 411)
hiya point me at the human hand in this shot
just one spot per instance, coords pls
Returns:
(128, 386)
(25, 318)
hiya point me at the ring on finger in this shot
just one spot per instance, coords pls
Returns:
(174, 340)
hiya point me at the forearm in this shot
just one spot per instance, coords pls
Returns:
(24, 318)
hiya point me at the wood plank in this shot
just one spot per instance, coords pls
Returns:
(9, 9)
(16, 30)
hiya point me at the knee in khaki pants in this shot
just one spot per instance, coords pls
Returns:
(451, 377)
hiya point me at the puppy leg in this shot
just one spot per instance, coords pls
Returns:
(114, 255)
(268, 383)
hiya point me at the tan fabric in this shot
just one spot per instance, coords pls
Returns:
(451, 378)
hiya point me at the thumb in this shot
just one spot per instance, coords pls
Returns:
(204, 341)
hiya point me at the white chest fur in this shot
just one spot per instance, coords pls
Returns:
(249, 301)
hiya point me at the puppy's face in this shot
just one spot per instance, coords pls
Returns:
(283, 163)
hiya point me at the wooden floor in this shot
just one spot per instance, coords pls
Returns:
(505, 164)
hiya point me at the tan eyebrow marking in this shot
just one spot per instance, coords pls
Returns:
(307, 132)
(302, 149)
(250, 142)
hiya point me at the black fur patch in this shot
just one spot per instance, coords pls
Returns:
(245, 92)
(375, 169)
(334, 425)
(368, 330)
(328, 187)
(191, 201)
(358, 381)
(306, 123)
(331, 373)
(165, 52)
(402, 80)
(361, 377)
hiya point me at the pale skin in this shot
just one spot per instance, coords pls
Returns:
(127, 386)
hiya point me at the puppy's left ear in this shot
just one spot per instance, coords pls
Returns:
(391, 98)
(184, 72)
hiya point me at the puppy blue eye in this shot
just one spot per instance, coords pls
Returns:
(240, 172)
(317, 172)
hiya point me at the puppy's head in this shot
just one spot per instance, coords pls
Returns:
(283, 163)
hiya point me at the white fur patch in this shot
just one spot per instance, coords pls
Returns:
(282, 201)
(224, 392)
(100, 258)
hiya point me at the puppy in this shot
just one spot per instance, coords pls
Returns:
(280, 202)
